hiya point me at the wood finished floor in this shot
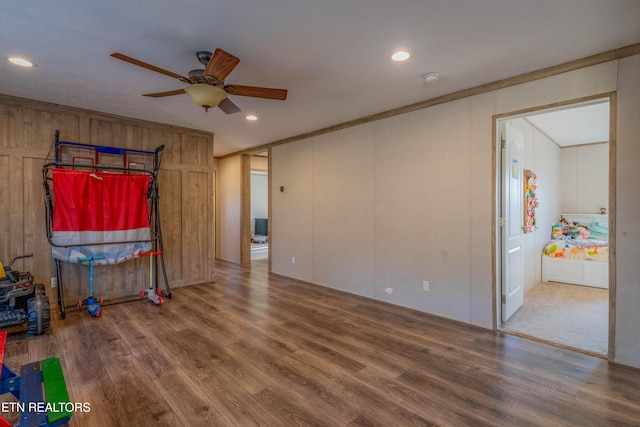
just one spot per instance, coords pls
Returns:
(253, 349)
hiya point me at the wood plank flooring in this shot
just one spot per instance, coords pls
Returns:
(254, 349)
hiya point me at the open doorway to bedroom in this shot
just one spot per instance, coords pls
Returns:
(260, 211)
(553, 205)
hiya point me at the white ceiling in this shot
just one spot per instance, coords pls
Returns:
(332, 55)
(586, 124)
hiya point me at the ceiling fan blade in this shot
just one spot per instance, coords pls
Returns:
(161, 94)
(134, 61)
(228, 106)
(260, 92)
(221, 64)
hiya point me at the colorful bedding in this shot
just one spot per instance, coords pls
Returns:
(597, 230)
(589, 250)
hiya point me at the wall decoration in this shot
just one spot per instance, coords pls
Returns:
(530, 200)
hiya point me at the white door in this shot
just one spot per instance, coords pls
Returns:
(513, 217)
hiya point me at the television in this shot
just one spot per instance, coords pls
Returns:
(261, 227)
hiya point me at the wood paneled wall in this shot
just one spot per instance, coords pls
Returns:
(185, 188)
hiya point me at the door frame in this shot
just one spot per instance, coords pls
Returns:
(245, 211)
(497, 197)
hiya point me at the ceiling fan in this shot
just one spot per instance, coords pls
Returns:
(206, 86)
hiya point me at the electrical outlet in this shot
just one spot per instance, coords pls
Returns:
(425, 285)
(293, 260)
(54, 282)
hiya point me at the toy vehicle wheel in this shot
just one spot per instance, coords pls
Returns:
(39, 314)
(79, 304)
(141, 294)
(101, 301)
(160, 300)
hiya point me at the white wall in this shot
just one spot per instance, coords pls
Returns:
(229, 196)
(391, 203)
(543, 157)
(343, 175)
(585, 178)
(259, 197)
(627, 215)
(390, 206)
(291, 210)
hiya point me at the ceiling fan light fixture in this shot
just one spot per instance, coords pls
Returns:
(205, 95)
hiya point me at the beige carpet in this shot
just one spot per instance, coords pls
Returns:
(570, 315)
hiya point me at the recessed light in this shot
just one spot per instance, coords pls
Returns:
(400, 56)
(252, 117)
(22, 62)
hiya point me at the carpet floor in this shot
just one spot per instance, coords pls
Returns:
(569, 315)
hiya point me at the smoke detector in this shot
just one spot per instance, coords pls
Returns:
(431, 77)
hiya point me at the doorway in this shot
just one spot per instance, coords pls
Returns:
(552, 245)
(260, 211)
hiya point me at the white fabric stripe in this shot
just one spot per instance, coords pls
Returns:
(113, 253)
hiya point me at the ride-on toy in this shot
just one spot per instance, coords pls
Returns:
(93, 305)
(153, 293)
(40, 391)
(22, 300)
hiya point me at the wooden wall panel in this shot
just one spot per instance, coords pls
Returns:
(22, 124)
(107, 132)
(172, 141)
(5, 228)
(195, 151)
(170, 187)
(35, 126)
(8, 131)
(16, 205)
(34, 222)
(195, 231)
(185, 184)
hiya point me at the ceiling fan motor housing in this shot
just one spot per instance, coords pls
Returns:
(198, 77)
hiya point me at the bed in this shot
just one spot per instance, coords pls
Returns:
(578, 255)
